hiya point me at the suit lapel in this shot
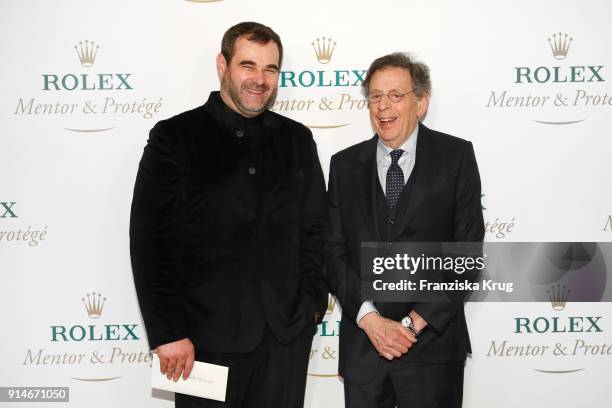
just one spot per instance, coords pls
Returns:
(425, 169)
(366, 178)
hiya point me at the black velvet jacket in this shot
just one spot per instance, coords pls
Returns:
(226, 229)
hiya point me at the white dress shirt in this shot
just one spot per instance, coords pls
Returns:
(383, 162)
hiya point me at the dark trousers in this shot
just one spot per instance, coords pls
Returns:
(409, 385)
(271, 376)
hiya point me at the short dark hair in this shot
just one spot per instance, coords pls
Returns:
(255, 32)
(419, 72)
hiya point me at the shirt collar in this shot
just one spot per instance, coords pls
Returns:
(409, 145)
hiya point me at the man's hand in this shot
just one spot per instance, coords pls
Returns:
(176, 358)
(388, 337)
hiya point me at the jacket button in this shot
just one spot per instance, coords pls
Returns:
(239, 133)
(252, 170)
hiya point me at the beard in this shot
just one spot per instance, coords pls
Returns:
(236, 92)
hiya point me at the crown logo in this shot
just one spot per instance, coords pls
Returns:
(559, 45)
(94, 304)
(87, 52)
(324, 48)
(558, 296)
(331, 303)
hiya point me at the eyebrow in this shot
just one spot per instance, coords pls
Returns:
(252, 64)
(391, 90)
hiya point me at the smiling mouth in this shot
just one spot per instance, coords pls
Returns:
(256, 92)
(386, 122)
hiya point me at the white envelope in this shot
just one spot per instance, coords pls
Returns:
(206, 381)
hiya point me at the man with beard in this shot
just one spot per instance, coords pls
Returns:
(226, 233)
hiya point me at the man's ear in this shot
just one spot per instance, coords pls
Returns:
(221, 65)
(423, 105)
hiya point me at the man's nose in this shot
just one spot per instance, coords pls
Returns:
(384, 102)
(259, 77)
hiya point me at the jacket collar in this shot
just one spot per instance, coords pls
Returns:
(221, 112)
(366, 177)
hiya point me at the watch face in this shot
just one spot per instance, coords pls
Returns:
(406, 321)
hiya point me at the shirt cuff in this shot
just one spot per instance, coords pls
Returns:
(366, 307)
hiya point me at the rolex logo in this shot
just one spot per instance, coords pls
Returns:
(331, 303)
(94, 303)
(87, 52)
(559, 45)
(558, 296)
(324, 48)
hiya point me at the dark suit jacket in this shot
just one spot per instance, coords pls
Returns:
(227, 229)
(443, 205)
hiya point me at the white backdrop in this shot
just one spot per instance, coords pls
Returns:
(69, 159)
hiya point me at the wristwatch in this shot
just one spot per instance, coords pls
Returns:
(409, 324)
